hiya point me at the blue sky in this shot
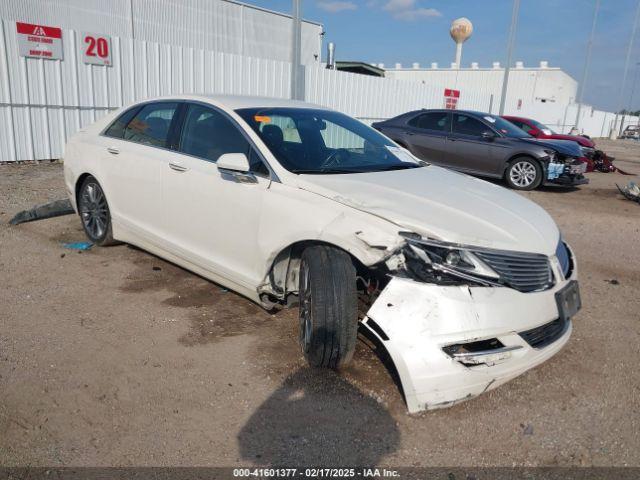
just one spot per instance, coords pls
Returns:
(407, 31)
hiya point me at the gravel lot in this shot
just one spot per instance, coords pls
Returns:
(115, 357)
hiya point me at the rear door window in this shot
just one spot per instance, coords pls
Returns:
(151, 124)
(466, 125)
(116, 129)
(436, 121)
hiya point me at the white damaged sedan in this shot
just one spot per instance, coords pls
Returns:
(465, 283)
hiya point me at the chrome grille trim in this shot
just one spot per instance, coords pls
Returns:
(525, 272)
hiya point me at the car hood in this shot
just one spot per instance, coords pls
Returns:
(585, 142)
(564, 147)
(438, 203)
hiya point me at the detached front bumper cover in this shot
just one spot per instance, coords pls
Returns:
(450, 343)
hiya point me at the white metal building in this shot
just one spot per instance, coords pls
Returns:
(51, 86)
(225, 26)
(528, 86)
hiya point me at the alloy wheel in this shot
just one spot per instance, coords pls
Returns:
(94, 211)
(305, 308)
(523, 173)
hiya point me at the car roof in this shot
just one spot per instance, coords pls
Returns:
(470, 112)
(235, 102)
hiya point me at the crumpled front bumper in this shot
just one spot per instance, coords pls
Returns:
(416, 320)
(572, 175)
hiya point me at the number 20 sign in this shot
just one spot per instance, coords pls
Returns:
(96, 49)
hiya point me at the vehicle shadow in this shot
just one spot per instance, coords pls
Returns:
(543, 188)
(317, 418)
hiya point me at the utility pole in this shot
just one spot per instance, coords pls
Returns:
(583, 83)
(633, 87)
(512, 41)
(297, 70)
(626, 70)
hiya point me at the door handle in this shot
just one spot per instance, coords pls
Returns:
(451, 139)
(113, 150)
(409, 133)
(177, 167)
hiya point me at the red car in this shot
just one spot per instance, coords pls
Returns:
(539, 130)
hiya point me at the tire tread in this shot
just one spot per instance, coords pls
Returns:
(334, 306)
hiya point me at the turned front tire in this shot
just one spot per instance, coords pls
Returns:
(328, 307)
(94, 213)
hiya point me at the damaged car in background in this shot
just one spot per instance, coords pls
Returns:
(486, 145)
(595, 159)
(464, 283)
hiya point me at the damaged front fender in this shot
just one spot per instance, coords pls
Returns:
(370, 240)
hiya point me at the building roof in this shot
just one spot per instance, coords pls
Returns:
(361, 68)
(268, 10)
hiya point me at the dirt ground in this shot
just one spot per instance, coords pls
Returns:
(115, 357)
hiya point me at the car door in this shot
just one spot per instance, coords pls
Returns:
(473, 152)
(212, 219)
(426, 136)
(134, 147)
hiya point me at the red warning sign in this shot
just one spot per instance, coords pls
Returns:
(451, 98)
(39, 41)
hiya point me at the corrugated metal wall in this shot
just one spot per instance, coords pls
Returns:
(43, 102)
(219, 25)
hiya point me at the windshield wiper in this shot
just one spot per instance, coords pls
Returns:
(399, 167)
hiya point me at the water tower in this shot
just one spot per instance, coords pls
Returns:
(461, 29)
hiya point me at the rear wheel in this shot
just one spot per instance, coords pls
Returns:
(523, 173)
(328, 307)
(94, 212)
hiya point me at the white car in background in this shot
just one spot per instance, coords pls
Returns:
(465, 283)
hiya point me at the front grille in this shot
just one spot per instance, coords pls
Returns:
(546, 334)
(526, 272)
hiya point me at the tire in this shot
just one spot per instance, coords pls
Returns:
(523, 173)
(328, 307)
(94, 213)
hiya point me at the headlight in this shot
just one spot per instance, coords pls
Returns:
(551, 154)
(451, 259)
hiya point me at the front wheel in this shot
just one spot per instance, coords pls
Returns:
(523, 174)
(328, 307)
(94, 212)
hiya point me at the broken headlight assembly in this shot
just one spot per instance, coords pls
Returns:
(445, 263)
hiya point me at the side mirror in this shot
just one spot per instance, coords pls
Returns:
(233, 162)
(534, 132)
(488, 135)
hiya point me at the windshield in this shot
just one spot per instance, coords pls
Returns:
(505, 127)
(543, 128)
(315, 141)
